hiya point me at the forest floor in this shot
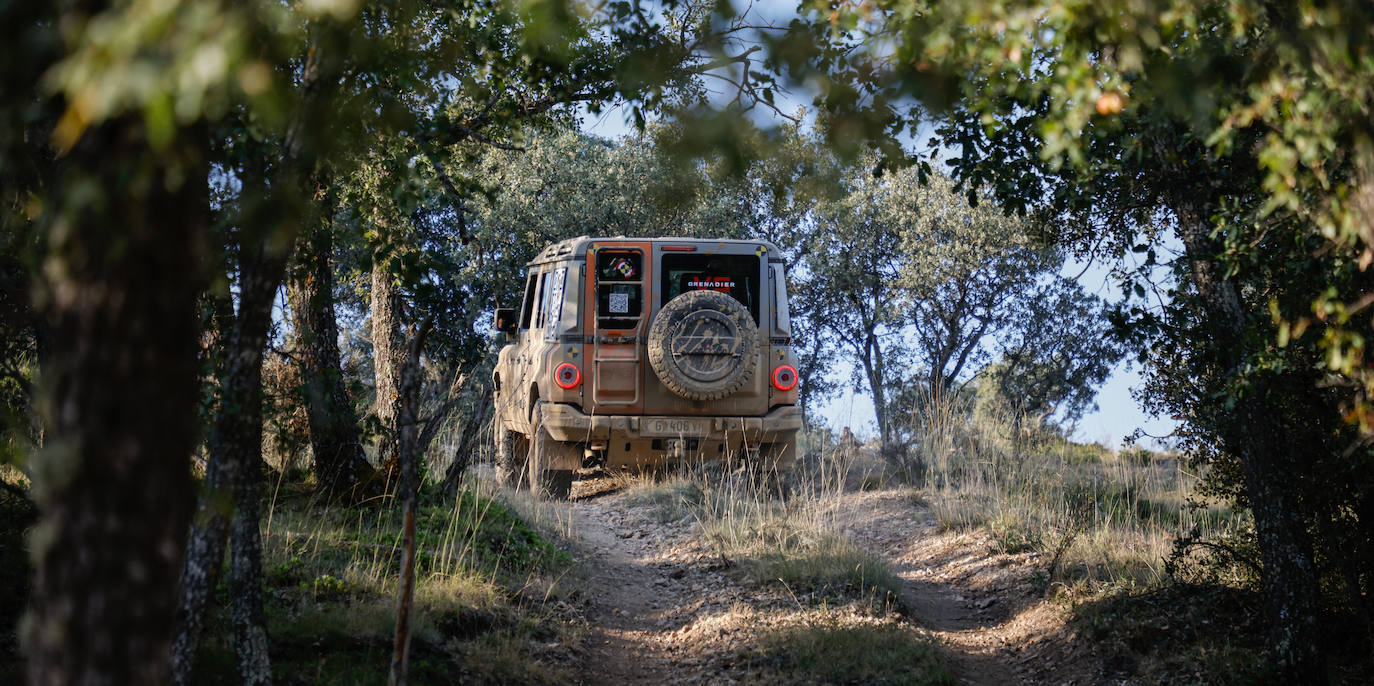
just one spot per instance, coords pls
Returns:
(698, 577)
(665, 605)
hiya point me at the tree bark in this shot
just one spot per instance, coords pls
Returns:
(122, 274)
(1256, 436)
(341, 468)
(235, 451)
(872, 357)
(406, 406)
(388, 355)
(245, 578)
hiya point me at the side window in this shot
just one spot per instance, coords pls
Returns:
(553, 303)
(619, 288)
(540, 301)
(527, 310)
(780, 308)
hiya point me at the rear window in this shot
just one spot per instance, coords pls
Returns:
(619, 288)
(734, 275)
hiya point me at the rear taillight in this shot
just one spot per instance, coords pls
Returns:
(567, 376)
(785, 378)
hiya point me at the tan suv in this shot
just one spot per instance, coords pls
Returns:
(642, 352)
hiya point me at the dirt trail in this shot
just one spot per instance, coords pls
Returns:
(628, 600)
(652, 589)
(663, 609)
(981, 605)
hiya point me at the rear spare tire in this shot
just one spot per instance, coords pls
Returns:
(703, 345)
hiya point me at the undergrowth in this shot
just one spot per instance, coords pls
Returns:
(1177, 633)
(1122, 537)
(486, 598)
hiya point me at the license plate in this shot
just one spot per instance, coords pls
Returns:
(672, 427)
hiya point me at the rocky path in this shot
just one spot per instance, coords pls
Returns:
(631, 598)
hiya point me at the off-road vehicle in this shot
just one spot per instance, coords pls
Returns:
(644, 352)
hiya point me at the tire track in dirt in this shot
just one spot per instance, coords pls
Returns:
(659, 605)
(622, 610)
(993, 624)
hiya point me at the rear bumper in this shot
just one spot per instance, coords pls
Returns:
(568, 423)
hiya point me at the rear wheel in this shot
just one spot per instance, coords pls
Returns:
(550, 460)
(556, 483)
(512, 452)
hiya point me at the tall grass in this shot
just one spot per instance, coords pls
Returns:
(484, 580)
(792, 543)
(1103, 516)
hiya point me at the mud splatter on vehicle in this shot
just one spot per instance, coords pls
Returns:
(635, 353)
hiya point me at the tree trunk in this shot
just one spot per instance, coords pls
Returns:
(245, 579)
(872, 358)
(122, 274)
(235, 450)
(406, 406)
(1256, 436)
(236, 439)
(388, 355)
(341, 468)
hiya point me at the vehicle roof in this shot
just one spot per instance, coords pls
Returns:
(576, 246)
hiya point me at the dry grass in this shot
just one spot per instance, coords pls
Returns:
(1101, 517)
(838, 647)
(1110, 521)
(485, 602)
(792, 542)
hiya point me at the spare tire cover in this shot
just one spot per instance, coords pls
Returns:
(703, 345)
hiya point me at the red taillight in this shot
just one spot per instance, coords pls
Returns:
(567, 376)
(785, 378)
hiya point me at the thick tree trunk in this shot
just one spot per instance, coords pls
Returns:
(388, 355)
(1256, 436)
(113, 481)
(235, 450)
(341, 468)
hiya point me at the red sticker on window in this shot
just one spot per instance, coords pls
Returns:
(720, 284)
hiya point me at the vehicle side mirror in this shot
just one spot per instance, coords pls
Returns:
(505, 320)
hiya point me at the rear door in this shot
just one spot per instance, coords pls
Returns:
(616, 319)
(736, 269)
